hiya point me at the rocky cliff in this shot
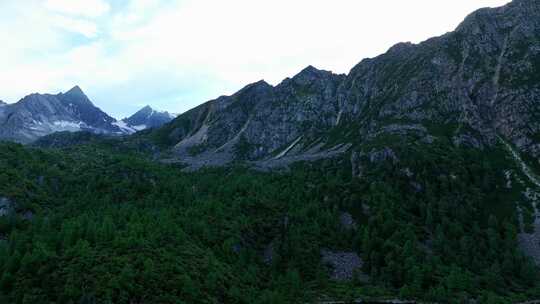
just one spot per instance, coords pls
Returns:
(472, 84)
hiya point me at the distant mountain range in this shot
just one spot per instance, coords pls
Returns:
(37, 115)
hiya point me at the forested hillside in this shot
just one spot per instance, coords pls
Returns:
(414, 176)
(91, 225)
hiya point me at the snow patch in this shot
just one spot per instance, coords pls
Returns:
(64, 124)
(124, 127)
(139, 127)
(47, 127)
(127, 128)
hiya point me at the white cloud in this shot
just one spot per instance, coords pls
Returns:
(246, 40)
(79, 26)
(84, 8)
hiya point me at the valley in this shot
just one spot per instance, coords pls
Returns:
(415, 176)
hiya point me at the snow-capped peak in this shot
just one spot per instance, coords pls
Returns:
(147, 117)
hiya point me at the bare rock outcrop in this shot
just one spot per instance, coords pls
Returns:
(344, 265)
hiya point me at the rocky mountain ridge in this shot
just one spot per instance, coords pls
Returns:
(472, 84)
(37, 115)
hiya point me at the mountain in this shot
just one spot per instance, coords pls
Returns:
(476, 84)
(258, 121)
(145, 118)
(415, 177)
(473, 90)
(37, 115)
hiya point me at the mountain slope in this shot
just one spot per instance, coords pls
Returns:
(483, 77)
(427, 190)
(257, 121)
(471, 84)
(436, 224)
(37, 115)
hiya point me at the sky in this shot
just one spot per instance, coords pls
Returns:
(176, 54)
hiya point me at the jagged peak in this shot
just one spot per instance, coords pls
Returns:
(310, 70)
(259, 85)
(506, 16)
(401, 46)
(76, 90)
(148, 111)
(75, 95)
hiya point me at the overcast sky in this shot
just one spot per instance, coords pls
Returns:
(176, 54)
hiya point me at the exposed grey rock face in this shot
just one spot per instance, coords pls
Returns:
(375, 156)
(356, 166)
(530, 242)
(28, 215)
(269, 253)
(347, 221)
(475, 83)
(260, 122)
(145, 118)
(386, 154)
(466, 140)
(294, 156)
(6, 206)
(37, 115)
(9, 207)
(483, 76)
(344, 264)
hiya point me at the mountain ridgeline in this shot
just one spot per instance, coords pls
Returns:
(476, 83)
(38, 115)
(415, 176)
